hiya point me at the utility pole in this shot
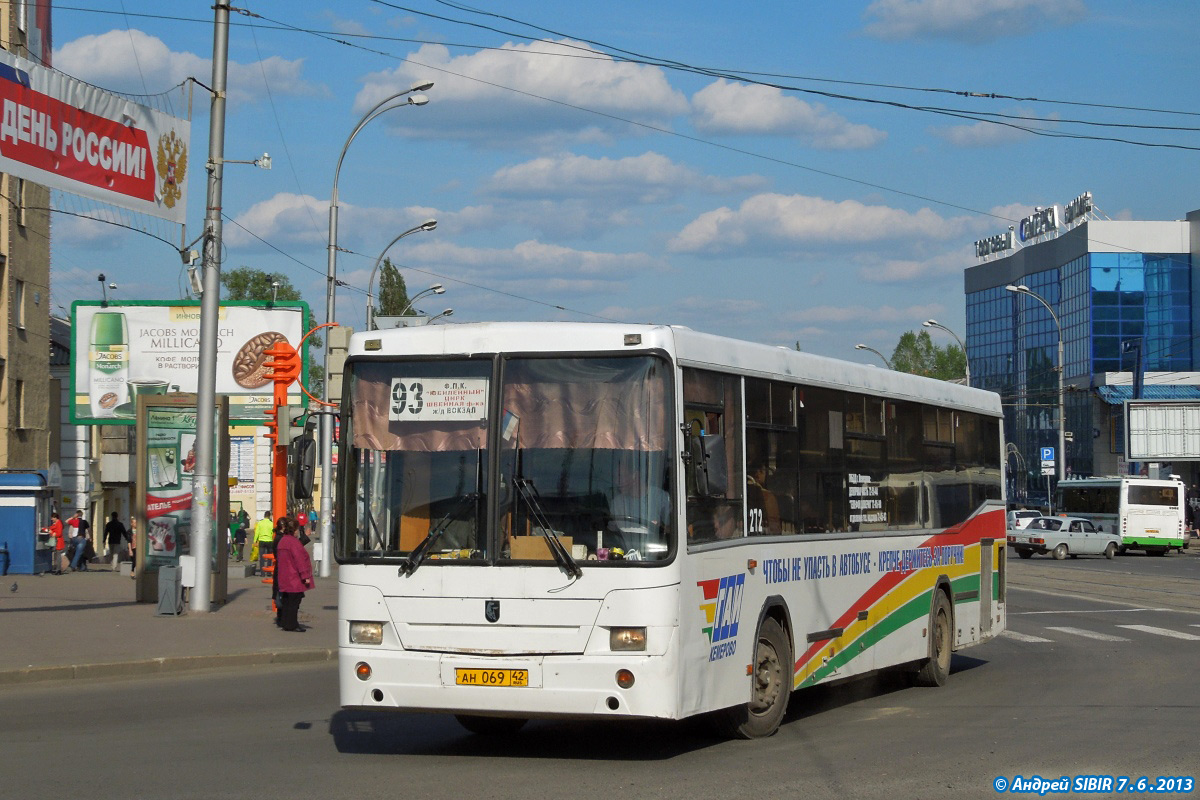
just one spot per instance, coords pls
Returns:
(206, 390)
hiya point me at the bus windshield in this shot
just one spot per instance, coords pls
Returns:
(581, 457)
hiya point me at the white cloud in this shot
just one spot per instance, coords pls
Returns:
(303, 219)
(532, 94)
(771, 220)
(648, 178)
(946, 268)
(136, 62)
(968, 20)
(739, 109)
(991, 134)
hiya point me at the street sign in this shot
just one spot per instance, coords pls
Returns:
(1048, 470)
(1047, 454)
(1048, 465)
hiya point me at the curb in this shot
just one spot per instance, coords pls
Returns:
(162, 666)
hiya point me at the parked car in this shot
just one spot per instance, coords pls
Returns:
(1062, 537)
(1019, 518)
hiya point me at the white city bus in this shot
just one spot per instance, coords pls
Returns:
(1148, 513)
(604, 520)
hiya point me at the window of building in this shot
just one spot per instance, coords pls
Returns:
(19, 304)
(18, 404)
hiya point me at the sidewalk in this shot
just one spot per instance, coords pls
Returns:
(87, 625)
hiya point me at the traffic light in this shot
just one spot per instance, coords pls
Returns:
(290, 424)
(335, 362)
(303, 458)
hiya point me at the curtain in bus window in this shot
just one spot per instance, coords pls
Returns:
(394, 406)
(614, 403)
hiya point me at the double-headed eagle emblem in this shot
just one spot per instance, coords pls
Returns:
(172, 166)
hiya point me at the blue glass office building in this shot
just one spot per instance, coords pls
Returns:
(1115, 286)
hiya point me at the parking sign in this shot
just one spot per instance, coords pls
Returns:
(1047, 454)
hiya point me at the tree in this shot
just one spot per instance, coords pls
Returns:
(393, 293)
(247, 283)
(916, 353)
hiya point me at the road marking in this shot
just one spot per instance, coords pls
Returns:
(1024, 637)
(1103, 637)
(1089, 611)
(1191, 637)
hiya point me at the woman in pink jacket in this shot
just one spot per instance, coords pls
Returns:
(293, 568)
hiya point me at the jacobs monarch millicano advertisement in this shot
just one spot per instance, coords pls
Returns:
(122, 351)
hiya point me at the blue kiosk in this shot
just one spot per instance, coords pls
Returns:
(25, 500)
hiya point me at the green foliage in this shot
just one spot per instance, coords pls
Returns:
(916, 353)
(247, 283)
(393, 292)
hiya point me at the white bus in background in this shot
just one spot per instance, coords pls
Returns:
(1147, 513)
(543, 520)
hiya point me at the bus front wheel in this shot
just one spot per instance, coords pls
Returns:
(771, 684)
(936, 669)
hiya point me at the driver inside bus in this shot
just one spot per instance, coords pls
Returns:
(637, 511)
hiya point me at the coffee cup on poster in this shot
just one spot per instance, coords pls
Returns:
(145, 386)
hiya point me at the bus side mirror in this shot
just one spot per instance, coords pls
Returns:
(708, 465)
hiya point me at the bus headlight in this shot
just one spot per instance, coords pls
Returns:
(627, 639)
(366, 632)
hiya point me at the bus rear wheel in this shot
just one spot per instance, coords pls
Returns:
(936, 668)
(771, 685)
(490, 726)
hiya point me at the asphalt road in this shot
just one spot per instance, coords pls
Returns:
(1078, 686)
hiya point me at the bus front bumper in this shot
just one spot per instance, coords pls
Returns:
(558, 686)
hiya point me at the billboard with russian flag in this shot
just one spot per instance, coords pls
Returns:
(68, 135)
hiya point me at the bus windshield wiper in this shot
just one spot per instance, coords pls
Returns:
(425, 545)
(561, 555)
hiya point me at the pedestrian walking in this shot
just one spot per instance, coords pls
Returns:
(81, 541)
(115, 536)
(293, 571)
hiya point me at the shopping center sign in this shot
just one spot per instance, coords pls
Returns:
(65, 134)
(1042, 222)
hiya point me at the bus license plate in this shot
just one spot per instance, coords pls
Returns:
(491, 677)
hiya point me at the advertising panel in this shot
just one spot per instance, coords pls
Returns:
(166, 484)
(65, 134)
(122, 351)
(1162, 430)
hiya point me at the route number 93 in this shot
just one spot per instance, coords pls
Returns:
(407, 396)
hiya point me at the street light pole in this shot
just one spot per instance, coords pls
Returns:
(933, 323)
(427, 225)
(445, 313)
(1062, 418)
(382, 106)
(882, 357)
(437, 288)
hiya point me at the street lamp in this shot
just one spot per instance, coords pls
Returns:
(427, 225)
(384, 105)
(933, 323)
(437, 288)
(436, 317)
(882, 357)
(1062, 419)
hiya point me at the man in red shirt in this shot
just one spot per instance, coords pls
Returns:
(60, 544)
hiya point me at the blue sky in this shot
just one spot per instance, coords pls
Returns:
(571, 182)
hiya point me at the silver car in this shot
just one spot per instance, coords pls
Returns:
(1062, 537)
